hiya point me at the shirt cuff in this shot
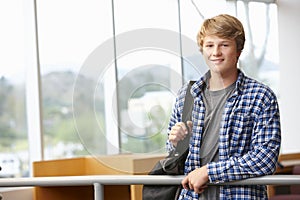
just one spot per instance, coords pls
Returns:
(170, 146)
(215, 172)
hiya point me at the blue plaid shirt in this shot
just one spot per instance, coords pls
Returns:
(249, 139)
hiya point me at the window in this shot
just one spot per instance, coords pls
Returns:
(148, 69)
(69, 33)
(110, 70)
(260, 56)
(13, 130)
(117, 77)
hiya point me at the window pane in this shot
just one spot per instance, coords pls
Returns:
(260, 57)
(14, 159)
(192, 16)
(149, 71)
(70, 32)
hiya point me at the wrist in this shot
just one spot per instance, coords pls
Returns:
(206, 173)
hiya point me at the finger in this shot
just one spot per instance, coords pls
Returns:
(191, 186)
(177, 128)
(183, 129)
(201, 189)
(190, 126)
(184, 183)
(173, 140)
(180, 130)
(175, 134)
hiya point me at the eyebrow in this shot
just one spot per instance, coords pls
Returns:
(221, 41)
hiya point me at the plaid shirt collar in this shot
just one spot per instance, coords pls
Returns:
(200, 85)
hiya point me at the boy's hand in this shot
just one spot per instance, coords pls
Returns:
(179, 132)
(196, 180)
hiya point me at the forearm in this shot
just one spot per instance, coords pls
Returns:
(257, 163)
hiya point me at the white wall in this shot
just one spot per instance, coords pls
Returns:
(289, 61)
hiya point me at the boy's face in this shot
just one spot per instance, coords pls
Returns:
(220, 54)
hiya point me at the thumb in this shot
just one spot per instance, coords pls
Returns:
(189, 125)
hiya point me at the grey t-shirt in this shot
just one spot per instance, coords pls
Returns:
(214, 102)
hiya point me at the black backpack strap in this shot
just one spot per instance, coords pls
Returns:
(188, 104)
(183, 145)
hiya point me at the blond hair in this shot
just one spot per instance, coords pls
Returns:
(223, 26)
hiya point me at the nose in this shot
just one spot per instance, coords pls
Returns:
(217, 51)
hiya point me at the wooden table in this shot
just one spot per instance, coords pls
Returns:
(287, 162)
(101, 165)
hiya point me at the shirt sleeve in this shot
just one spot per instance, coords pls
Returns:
(176, 114)
(261, 158)
(175, 117)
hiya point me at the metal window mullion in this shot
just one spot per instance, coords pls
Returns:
(112, 113)
(33, 85)
(180, 42)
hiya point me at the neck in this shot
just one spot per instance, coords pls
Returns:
(219, 81)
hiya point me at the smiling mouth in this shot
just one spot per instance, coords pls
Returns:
(217, 60)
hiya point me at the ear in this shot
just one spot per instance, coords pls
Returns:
(201, 50)
(238, 54)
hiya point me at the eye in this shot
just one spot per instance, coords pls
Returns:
(208, 45)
